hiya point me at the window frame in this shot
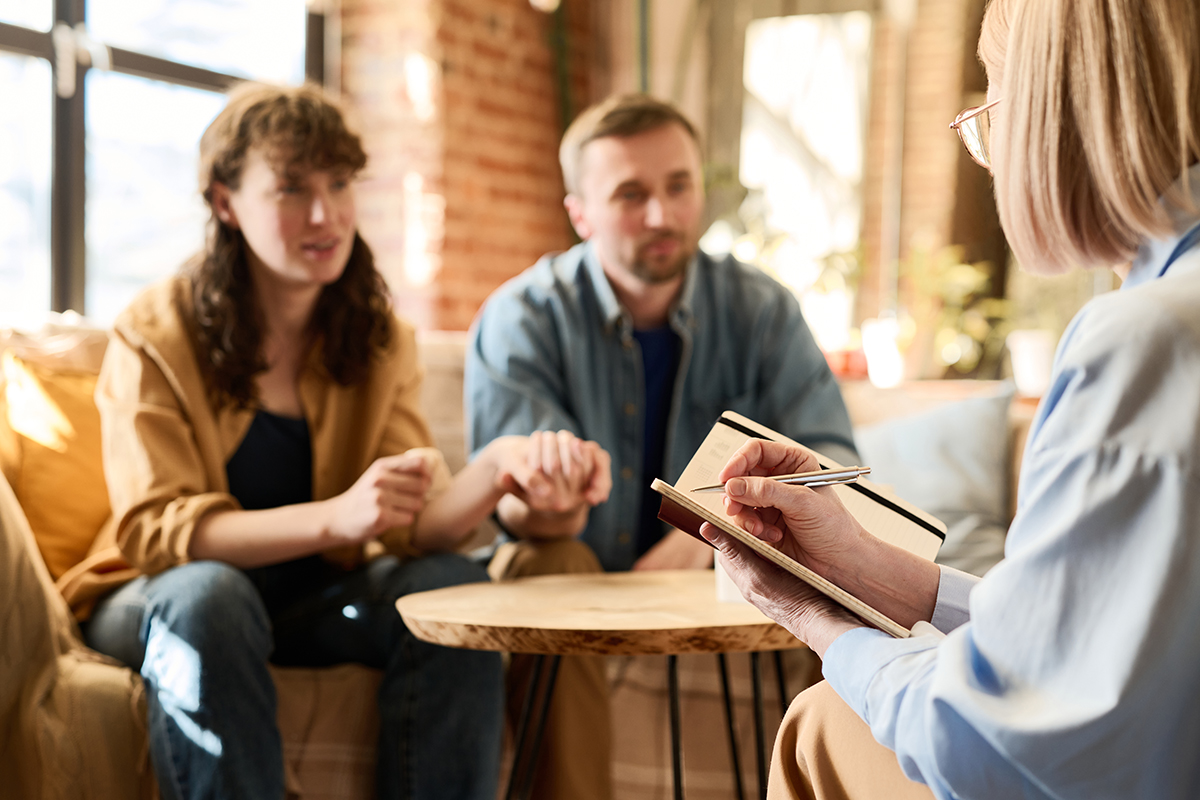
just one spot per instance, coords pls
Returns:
(68, 183)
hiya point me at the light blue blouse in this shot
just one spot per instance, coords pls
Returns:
(1073, 669)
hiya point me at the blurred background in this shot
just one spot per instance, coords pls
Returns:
(828, 157)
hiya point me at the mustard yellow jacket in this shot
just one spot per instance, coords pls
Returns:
(166, 447)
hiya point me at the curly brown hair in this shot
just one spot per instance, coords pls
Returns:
(296, 128)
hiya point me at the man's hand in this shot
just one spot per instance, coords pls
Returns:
(676, 550)
(554, 472)
(553, 480)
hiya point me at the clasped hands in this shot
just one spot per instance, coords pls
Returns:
(552, 474)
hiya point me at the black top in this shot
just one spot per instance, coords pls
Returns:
(271, 468)
(273, 465)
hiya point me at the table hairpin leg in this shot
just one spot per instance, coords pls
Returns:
(782, 679)
(734, 756)
(759, 743)
(676, 754)
(514, 776)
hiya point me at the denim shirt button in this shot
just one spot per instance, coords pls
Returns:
(627, 473)
(630, 409)
(623, 537)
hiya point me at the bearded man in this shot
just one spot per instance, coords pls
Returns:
(636, 339)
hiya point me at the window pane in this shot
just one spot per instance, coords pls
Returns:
(36, 14)
(24, 186)
(145, 216)
(261, 39)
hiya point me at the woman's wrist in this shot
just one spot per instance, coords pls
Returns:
(891, 579)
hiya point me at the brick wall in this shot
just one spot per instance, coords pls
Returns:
(503, 185)
(459, 105)
(942, 37)
(458, 102)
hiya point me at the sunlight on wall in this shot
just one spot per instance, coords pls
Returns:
(420, 74)
(419, 266)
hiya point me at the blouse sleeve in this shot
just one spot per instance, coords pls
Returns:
(1074, 676)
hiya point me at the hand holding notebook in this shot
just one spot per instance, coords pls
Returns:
(875, 509)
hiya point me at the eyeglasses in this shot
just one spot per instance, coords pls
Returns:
(974, 128)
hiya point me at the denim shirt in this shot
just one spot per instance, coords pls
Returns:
(553, 349)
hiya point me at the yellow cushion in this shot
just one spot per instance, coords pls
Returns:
(60, 480)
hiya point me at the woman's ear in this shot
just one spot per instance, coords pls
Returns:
(222, 206)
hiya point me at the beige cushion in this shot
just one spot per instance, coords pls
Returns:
(329, 723)
(442, 353)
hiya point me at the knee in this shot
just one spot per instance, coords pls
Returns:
(433, 571)
(551, 557)
(212, 606)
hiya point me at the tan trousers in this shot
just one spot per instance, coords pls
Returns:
(824, 751)
(576, 753)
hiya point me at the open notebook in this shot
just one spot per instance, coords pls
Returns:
(879, 510)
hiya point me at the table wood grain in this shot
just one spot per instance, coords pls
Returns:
(619, 613)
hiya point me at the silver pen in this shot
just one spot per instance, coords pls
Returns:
(821, 477)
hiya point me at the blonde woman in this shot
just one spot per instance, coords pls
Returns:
(274, 485)
(1073, 669)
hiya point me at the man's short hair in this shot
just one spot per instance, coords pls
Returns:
(620, 115)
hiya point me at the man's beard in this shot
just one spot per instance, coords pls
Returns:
(649, 272)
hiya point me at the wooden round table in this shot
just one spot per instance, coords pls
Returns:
(619, 613)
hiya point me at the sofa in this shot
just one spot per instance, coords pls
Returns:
(72, 723)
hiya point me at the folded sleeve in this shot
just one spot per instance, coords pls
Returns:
(157, 481)
(954, 590)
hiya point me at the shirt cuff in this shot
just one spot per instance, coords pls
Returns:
(856, 657)
(954, 590)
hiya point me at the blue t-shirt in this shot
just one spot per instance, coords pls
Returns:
(660, 362)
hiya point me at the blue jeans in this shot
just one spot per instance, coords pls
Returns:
(201, 635)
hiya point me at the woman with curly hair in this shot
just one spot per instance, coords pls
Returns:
(273, 483)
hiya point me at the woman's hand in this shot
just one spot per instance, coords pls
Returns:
(809, 525)
(389, 494)
(814, 528)
(810, 616)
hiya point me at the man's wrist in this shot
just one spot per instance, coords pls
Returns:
(522, 521)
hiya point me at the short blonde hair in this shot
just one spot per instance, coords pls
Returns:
(1100, 119)
(619, 115)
